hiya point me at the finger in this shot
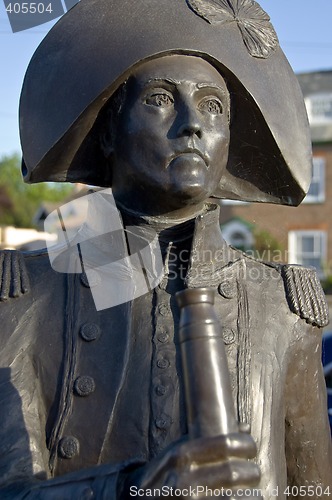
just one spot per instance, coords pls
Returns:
(212, 450)
(231, 474)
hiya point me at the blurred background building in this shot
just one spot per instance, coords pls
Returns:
(301, 235)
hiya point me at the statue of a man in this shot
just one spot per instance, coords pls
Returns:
(169, 103)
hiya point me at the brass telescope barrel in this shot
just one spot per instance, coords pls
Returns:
(208, 393)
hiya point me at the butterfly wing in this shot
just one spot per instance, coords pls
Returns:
(257, 31)
(254, 23)
(213, 11)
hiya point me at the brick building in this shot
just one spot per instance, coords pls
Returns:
(302, 234)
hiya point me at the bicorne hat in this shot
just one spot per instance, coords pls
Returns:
(94, 48)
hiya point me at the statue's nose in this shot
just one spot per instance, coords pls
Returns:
(190, 124)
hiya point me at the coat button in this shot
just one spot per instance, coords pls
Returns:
(228, 336)
(228, 289)
(83, 386)
(161, 390)
(69, 447)
(89, 332)
(163, 363)
(163, 337)
(163, 422)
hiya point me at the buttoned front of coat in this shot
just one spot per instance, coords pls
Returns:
(82, 388)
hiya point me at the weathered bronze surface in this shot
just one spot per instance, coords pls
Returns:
(170, 104)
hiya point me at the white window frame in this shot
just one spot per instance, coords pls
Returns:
(318, 177)
(296, 256)
(236, 226)
(323, 101)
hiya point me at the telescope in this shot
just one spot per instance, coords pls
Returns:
(208, 392)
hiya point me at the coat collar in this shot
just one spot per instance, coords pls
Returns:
(210, 256)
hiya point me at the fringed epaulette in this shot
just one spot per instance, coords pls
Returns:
(305, 294)
(14, 280)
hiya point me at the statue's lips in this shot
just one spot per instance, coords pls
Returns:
(192, 152)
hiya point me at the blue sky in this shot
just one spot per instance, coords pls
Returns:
(303, 27)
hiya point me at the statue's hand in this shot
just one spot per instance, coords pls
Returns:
(217, 463)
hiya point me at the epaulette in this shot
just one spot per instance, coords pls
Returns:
(14, 280)
(305, 294)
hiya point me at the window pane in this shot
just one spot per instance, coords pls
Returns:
(314, 189)
(308, 248)
(308, 245)
(316, 193)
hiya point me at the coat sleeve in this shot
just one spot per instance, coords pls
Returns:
(308, 439)
(103, 482)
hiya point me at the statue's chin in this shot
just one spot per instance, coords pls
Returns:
(188, 177)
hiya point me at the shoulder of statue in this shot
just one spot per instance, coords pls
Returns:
(14, 279)
(305, 294)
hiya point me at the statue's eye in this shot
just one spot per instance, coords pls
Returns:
(211, 105)
(161, 100)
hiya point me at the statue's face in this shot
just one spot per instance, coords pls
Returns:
(172, 138)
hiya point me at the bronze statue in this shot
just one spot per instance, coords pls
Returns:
(171, 104)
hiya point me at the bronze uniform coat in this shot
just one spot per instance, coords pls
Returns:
(81, 388)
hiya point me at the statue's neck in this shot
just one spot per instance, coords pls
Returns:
(165, 224)
(165, 218)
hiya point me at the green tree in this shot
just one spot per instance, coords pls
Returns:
(327, 284)
(267, 247)
(19, 201)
